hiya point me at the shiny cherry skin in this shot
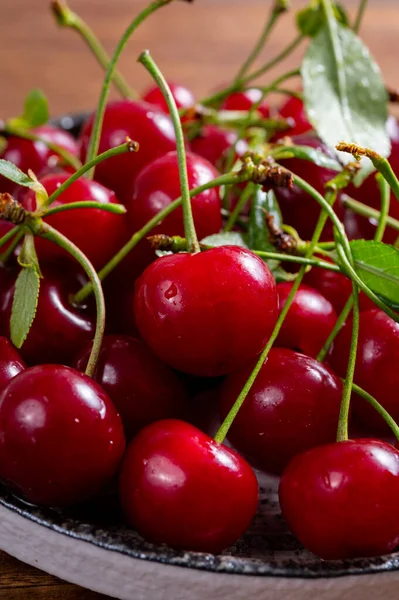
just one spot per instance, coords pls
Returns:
(158, 184)
(376, 366)
(98, 233)
(181, 488)
(142, 122)
(141, 386)
(183, 97)
(209, 313)
(293, 109)
(61, 439)
(309, 321)
(36, 156)
(214, 142)
(245, 100)
(59, 328)
(293, 406)
(11, 363)
(340, 500)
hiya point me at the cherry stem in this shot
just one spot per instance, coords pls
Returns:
(245, 196)
(336, 329)
(128, 146)
(359, 16)
(99, 116)
(366, 211)
(117, 209)
(68, 18)
(9, 235)
(47, 232)
(148, 62)
(4, 256)
(380, 409)
(385, 193)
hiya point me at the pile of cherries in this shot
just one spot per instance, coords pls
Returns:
(184, 332)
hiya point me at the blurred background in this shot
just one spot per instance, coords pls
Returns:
(199, 44)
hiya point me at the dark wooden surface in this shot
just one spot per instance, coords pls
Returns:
(200, 45)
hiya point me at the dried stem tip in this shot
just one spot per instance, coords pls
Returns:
(168, 244)
(132, 146)
(11, 210)
(282, 241)
(62, 13)
(273, 176)
(358, 151)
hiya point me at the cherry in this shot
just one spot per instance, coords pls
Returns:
(376, 365)
(61, 439)
(84, 227)
(340, 500)
(293, 405)
(294, 110)
(180, 487)
(141, 122)
(11, 363)
(36, 156)
(209, 313)
(142, 387)
(309, 321)
(214, 143)
(245, 100)
(183, 97)
(59, 328)
(158, 184)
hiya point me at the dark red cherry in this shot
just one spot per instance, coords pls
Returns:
(214, 143)
(341, 500)
(309, 321)
(183, 97)
(61, 439)
(293, 405)
(36, 156)
(99, 234)
(209, 313)
(59, 328)
(142, 387)
(245, 100)
(140, 121)
(11, 363)
(158, 184)
(181, 488)
(294, 110)
(376, 365)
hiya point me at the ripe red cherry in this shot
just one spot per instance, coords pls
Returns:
(11, 363)
(180, 487)
(309, 321)
(245, 100)
(214, 143)
(158, 184)
(140, 121)
(36, 156)
(209, 313)
(293, 405)
(142, 387)
(99, 234)
(376, 365)
(294, 110)
(61, 439)
(183, 97)
(341, 500)
(59, 328)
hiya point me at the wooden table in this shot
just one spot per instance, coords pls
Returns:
(200, 45)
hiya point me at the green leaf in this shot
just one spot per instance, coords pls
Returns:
(308, 153)
(378, 265)
(225, 238)
(24, 305)
(35, 113)
(258, 233)
(312, 18)
(344, 93)
(10, 171)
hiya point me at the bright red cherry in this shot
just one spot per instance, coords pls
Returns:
(293, 405)
(36, 156)
(180, 487)
(11, 363)
(61, 439)
(142, 387)
(245, 100)
(214, 143)
(183, 97)
(140, 121)
(209, 313)
(99, 234)
(59, 328)
(376, 365)
(309, 321)
(294, 110)
(341, 500)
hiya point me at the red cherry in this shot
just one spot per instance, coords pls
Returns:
(11, 363)
(59, 328)
(180, 487)
(142, 387)
(376, 365)
(293, 405)
(309, 321)
(140, 121)
(209, 313)
(245, 100)
(158, 184)
(341, 500)
(61, 439)
(214, 143)
(294, 110)
(183, 97)
(36, 156)
(84, 227)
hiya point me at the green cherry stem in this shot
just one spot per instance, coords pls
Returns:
(99, 116)
(146, 59)
(9, 235)
(366, 211)
(233, 216)
(286, 52)
(380, 409)
(4, 256)
(359, 16)
(336, 329)
(117, 209)
(385, 193)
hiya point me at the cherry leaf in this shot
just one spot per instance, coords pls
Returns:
(24, 304)
(225, 238)
(307, 153)
(35, 113)
(10, 171)
(258, 233)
